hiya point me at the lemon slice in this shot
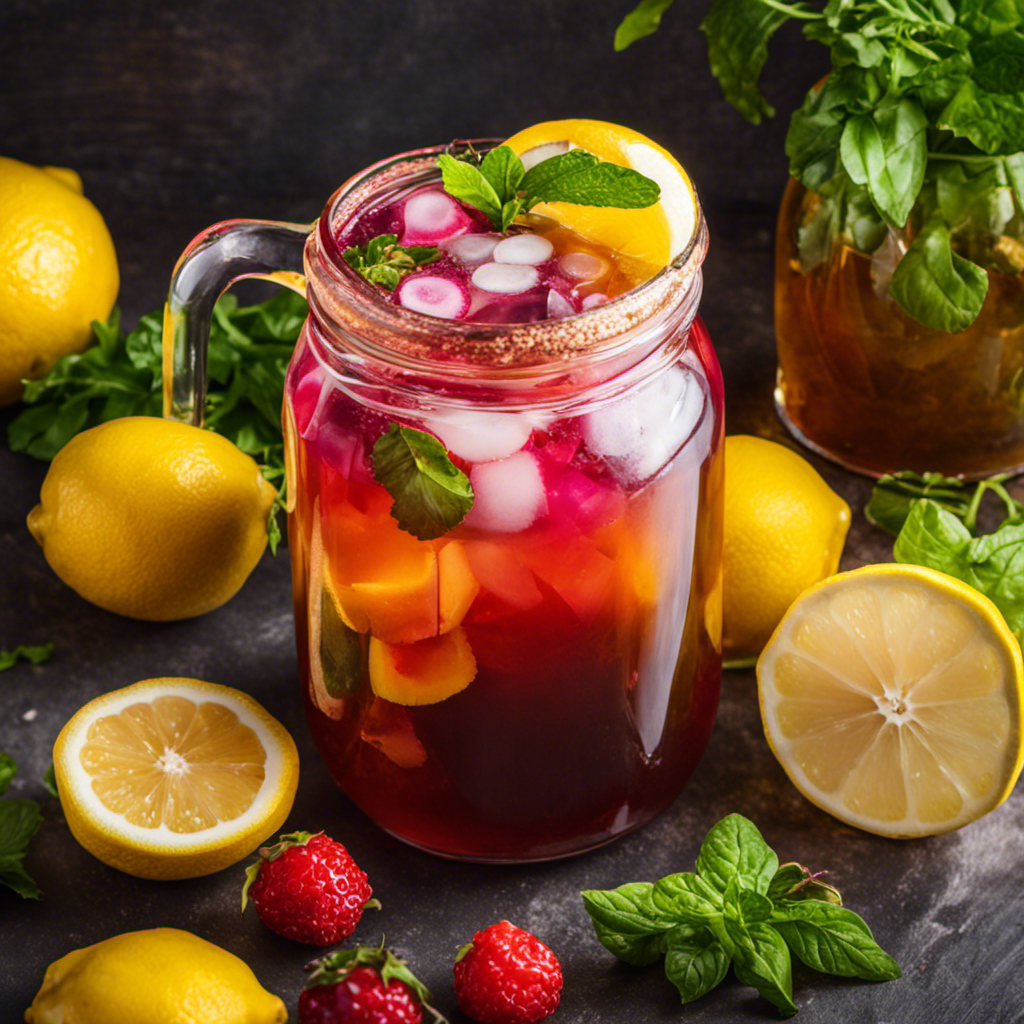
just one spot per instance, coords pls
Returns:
(891, 695)
(174, 778)
(646, 240)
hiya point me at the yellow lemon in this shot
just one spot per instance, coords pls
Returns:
(647, 239)
(784, 530)
(891, 695)
(158, 976)
(151, 518)
(58, 271)
(174, 778)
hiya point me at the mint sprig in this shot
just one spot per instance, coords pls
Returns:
(19, 822)
(431, 494)
(738, 908)
(919, 127)
(34, 655)
(503, 189)
(382, 261)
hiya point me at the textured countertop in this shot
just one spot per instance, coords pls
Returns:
(180, 115)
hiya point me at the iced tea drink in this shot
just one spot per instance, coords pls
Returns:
(543, 676)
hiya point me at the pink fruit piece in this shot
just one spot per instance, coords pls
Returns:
(308, 888)
(584, 501)
(430, 216)
(433, 294)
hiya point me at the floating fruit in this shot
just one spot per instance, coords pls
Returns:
(424, 672)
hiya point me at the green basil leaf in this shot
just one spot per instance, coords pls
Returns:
(894, 494)
(752, 907)
(686, 897)
(19, 822)
(794, 882)
(642, 21)
(735, 849)
(761, 959)
(995, 564)
(936, 286)
(638, 950)
(341, 650)
(8, 769)
(785, 880)
(833, 940)
(812, 142)
(50, 781)
(1014, 165)
(695, 964)
(989, 17)
(933, 537)
(466, 182)
(34, 655)
(15, 877)
(628, 910)
(431, 495)
(738, 32)
(990, 120)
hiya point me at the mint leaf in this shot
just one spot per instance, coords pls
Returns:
(638, 950)
(431, 495)
(341, 650)
(382, 261)
(833, 940)
(686, 898)
(794, 882)
(933, 537)
(628, 910)
(936, 286)
(602, 184)
(738, 32)
(642, 21)
(8, 769)
(504, 170)
(761, 960)
(695, 964)
(34, 655)
(50, 781)
(734, 849)
(467, 182)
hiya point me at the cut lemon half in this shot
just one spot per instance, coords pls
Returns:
(647, 240)
(891, 695)
(174, 778)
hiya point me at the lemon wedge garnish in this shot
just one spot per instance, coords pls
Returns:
(646, 240)
(891, 695)
(174, 778)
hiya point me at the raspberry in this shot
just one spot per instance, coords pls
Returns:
(507, 976)
(308, 888)
(363, 986)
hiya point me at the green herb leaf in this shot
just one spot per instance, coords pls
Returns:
(833, 940)
(629, 909)
(382, 261)
(34, 655)
(504, 170)
(761, 959)
(936, 286)
(894, 494)
(431, 495)
(738, 32)
(794, 882)
(685, 897)
(695, 964)
(734, 849)
(638, 950)
(19, 822)
(642, 21)
(466, 182)
(341, 650)
(50, 781)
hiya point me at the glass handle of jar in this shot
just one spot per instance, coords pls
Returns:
(222, 254)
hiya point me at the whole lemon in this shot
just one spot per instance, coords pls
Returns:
(58, 271)
(157, 976)
(151, 518)
(784, 530)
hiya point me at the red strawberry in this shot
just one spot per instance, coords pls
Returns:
(306, 887)
(507, 976)
(363, 986)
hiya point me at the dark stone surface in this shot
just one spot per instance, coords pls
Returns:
(182, 114)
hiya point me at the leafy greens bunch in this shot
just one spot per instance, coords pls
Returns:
(920, 125)
(739, 907)
(19, 822)
(935, 520)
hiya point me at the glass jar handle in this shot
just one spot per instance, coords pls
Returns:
(230, 251)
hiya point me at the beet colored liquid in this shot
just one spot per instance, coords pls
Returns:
(545, 676)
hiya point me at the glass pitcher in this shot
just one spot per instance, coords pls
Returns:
(543, 677)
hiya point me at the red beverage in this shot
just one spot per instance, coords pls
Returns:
(544, 676)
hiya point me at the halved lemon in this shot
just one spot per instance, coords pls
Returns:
(891, 695)
(174, 778)
(648, 239)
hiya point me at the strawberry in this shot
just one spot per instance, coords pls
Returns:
(507, 976)
(364, 986)
(308, 888)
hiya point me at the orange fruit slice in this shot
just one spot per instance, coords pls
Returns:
(646, 240)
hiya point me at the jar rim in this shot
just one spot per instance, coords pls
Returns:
(363, 318)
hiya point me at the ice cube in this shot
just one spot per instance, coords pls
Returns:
(642, 430)
(505, 278)
(472, 249)
(508, 494)
(583, 266)
(481, 436)
(526, 249)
